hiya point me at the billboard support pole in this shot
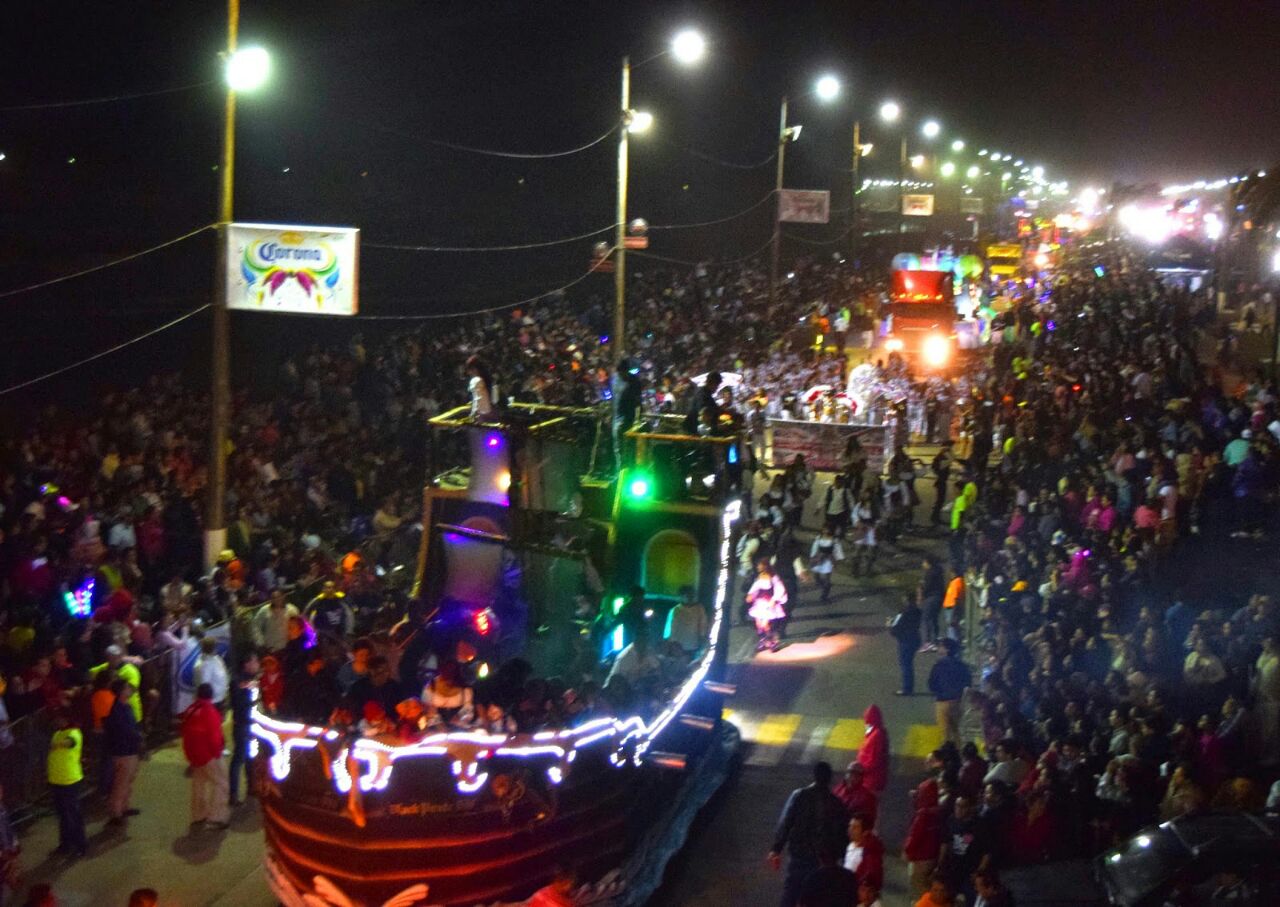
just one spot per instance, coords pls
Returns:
(215, 525)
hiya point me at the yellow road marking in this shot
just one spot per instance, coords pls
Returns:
(847, 734)
(777, 730)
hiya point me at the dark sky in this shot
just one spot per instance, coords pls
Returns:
(1092, 90)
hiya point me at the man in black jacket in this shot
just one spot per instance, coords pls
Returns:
(905, 629)
(812, 822)
(123, 740)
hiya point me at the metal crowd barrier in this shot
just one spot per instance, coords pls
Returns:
(23, 771)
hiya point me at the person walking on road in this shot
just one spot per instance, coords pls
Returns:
(812, 822)
(66, 778)
(874, 754)
(933, 587)
(823, 555)
(904, 627)
(948, 680)
(202, 744)
(123, 738)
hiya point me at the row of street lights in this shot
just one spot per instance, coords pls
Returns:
(248, 68)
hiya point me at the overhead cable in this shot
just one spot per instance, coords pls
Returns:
(726, 261)
(109, 99)
(496, 308)
(105, 265)
(96, 356)
(508, 248)
(712, 159)
(471, 149)
(719, 220)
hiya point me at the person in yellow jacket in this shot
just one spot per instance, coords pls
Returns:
(66, 777)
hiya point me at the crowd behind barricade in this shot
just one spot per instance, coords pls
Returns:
(1123, 660)
(101, 529)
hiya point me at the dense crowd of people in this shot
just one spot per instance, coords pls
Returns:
(1123, 662)
(1094, 446)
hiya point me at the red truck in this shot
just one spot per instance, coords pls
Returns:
(922, 317)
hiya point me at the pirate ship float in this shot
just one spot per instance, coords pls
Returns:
(468, 816)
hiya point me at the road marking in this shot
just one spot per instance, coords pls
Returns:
(922, 739)
(817, 741)
(777, 730)
(847, 734)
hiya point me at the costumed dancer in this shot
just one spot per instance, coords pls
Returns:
(767, 599)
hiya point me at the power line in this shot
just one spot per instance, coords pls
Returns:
(490, 151)
(819, 242)
(720, 220)
(509, 248)
(712, 159)
(497, 308)
(727, 261)
(96, 356)
(85, 102)
(104, 266)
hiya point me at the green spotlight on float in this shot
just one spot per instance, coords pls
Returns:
(640, 487)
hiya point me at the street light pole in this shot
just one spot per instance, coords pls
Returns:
(777, 208)
(620, 239)
(853, 200)
(215, 527)
(902, 179)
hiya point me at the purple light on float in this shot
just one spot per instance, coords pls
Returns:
(492, 440)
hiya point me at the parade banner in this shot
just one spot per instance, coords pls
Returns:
(917, 205)
(804, 206)
(822, 443)
(300, 270)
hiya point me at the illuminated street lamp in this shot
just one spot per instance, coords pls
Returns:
(890, 111)
(917, 161)
(688, 47)
(246, 70)
(930, 129)
(1037, 172)
(827, 88)
(957, 145)
(973, 171)
(947, 169)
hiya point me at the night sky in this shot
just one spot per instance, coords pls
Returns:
(1094, 91)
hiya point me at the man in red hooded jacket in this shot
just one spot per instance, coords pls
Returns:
(202, 744)
(874, 754)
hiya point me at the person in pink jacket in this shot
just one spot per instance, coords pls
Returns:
(874, 754)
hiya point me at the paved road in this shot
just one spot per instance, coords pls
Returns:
(805, 703)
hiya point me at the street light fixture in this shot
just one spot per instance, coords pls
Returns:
(917, 161)
(827, 88)
(688, 46)
(957, 145)
(890, 111)
(1037, 172)
(930, 129)
(947, 169)
(247, 69)
(639, 121)
(973, 171)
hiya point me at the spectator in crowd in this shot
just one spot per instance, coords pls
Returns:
(241, 721)
(830, 885)
(864, 856)
(212, 670)
(123, 740)
(10, 852)
(202, 744)
(273, 621)
(66, 777)
(857, 798)
(689, 627)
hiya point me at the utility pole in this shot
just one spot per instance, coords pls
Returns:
(777, 209)
(853, 199)
(215, 527)
(620, 240)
